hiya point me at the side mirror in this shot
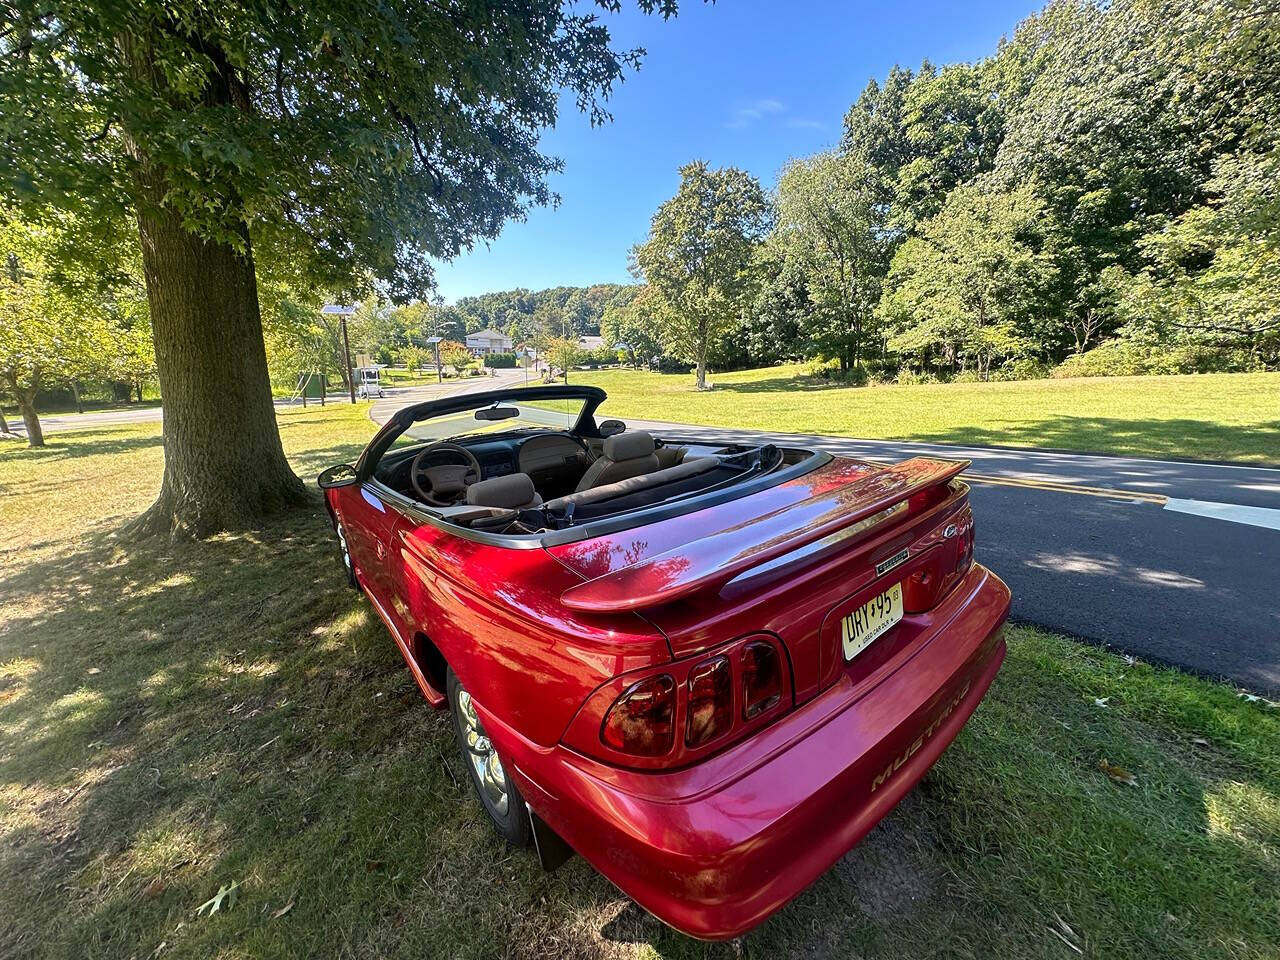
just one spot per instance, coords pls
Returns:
(342, 475)
(611, 427)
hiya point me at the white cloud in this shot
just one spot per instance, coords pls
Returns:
(754, 112)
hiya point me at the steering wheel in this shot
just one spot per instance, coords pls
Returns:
(444, 484)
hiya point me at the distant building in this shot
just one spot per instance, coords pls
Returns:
(590, 342)
(484, 342)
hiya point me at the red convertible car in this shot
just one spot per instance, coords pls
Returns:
(707, 668)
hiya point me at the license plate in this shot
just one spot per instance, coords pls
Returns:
(861, 626)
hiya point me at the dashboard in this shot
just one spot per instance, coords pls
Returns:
(554, 461)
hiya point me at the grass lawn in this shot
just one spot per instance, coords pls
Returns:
(1230, 416)
(175, 719)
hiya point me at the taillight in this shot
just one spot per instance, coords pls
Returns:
(642, 720)
(966, 549)
(710, 706)
(679, 712)
(761, 678)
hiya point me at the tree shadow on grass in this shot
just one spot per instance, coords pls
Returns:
(177, 719)
(782, 383)
(63, 446)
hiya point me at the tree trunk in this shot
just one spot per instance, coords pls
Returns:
(704, 335)
(27, 404)
(26, 400)
(75, 392)
(138, 387)
(224, 466)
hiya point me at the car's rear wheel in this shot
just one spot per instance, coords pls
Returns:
(499, 796)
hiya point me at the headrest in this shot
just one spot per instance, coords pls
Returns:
(509, 492)
(629, 446)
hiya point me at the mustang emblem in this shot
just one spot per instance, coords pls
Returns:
(899, 558)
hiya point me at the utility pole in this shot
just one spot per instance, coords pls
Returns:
(342, 313)
(434, 343)
(346, 348)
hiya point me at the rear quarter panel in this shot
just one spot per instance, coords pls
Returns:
(495, 615)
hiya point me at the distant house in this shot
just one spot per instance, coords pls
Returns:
(488, 341)
(590, 342)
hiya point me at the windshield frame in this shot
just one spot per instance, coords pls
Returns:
(405, 418)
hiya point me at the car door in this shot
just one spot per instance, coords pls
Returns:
(368, 521)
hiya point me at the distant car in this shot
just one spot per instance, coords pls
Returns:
(708, 668)
(369, 383)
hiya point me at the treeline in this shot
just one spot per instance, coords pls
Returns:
(299, 337)
(1102, 195)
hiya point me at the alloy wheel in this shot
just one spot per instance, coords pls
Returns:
(484, 759)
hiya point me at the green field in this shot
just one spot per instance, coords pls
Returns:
(1230, 416)
(175, 719)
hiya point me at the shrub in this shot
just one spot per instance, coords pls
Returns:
(1022, 368)
(500, 361)
(826, 369)
(908, 377)
(1129, 358)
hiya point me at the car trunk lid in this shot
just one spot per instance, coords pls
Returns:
(785, 560)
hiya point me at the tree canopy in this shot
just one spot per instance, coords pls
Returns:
(340, 145)
(698, 257)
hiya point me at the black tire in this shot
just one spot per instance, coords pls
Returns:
(344, 553)
(513, 821)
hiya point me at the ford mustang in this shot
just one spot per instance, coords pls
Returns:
(708, 668)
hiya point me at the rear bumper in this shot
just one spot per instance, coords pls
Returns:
(715, 849)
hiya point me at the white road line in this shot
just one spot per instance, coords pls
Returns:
(1254, 516)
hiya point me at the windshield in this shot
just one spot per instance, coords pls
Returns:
(554, 414)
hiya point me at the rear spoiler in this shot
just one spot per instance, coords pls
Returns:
(716, 560)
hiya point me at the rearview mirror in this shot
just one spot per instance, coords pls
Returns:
(611, 427)
(342, 475)
(496, 413)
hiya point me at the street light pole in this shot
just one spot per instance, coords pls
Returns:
(342, 312)
(346, 348)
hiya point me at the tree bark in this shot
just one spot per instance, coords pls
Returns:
(704, 335)
(25, 397)
(75, 392)
(224, 465)
(27, 404)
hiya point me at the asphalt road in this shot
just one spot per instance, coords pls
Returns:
(398, 396)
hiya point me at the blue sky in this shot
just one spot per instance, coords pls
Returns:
(747, 83)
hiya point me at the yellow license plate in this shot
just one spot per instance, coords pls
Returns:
(861, 626)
